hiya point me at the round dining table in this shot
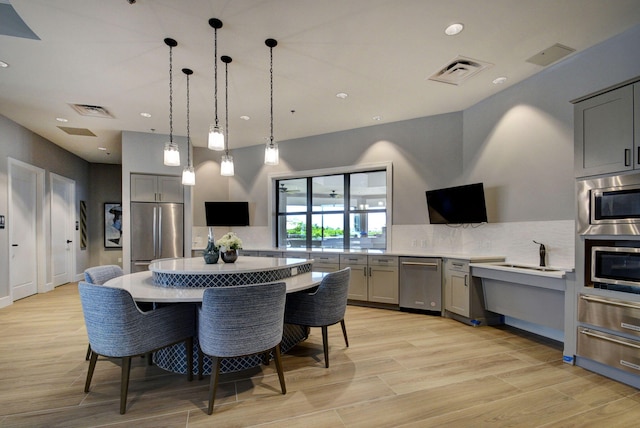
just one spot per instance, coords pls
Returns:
(183, 281)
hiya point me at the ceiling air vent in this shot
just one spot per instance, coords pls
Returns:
(94, 111)
(77, 131)
(459, 70)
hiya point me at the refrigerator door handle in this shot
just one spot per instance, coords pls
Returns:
(159, 232)
(155, 234)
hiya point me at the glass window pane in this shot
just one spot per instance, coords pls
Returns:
(368, 230)
(292, 231)
(368, 191)
(292, 195)
(327, 230)
(328, 193)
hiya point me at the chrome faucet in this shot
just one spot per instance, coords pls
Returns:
(543, 253)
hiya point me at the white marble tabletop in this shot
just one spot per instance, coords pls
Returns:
(141, 287)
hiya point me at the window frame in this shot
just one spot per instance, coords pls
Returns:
(387, 167)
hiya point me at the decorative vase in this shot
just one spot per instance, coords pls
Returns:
(229, 256)
(211, 254)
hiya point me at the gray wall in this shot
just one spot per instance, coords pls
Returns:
(21, 144)
(106, 186)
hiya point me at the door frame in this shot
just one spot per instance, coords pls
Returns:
(71, 218)
(41, 238)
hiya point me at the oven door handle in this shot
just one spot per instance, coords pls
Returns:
(609, 302)
(609, 339)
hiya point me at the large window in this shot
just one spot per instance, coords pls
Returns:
(347, 210)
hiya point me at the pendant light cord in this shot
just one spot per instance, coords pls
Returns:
(171, 94)
(215, 72)
(271, 94)
(226, 108)
(188, 133)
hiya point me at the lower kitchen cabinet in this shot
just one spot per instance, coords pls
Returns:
(325, 262)
(463, 297)
(373, 278)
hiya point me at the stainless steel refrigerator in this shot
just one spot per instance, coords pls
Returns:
(157, 232)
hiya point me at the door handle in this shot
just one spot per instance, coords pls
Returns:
(14, 245)
(627, 157)
(69, 242)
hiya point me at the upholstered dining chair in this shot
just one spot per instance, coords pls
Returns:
(118, 329)
(321, 308)
(99, 275)
(238, 321)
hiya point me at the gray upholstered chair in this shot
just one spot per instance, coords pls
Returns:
(239, 321)
(118, 329)
(99, 275)
(323, 307)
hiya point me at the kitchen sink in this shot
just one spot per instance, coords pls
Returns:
(519, 266)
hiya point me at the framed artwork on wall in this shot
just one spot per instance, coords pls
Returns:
(113, 225)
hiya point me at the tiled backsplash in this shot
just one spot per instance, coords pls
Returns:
(512, 240)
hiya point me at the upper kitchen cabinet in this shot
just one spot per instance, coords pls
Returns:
(604, 132)
(156, 188)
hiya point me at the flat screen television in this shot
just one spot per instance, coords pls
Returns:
(457, 205)
(227, 213)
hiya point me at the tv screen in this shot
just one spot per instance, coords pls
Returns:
(227, 213)
(460, 204)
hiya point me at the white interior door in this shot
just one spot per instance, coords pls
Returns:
(62, 229)
(23, 232)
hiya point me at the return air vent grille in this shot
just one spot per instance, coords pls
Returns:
(77, 131)
(94, 111)
(459, 70)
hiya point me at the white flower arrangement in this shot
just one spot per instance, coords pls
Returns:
(229, 241)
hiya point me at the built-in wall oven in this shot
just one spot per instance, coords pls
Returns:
(608, 223)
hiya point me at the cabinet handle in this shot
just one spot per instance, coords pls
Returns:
(364, 271)
(369, 271)
(457, 264)
(627, 157)
(609, 339)
(432, 265)
(609, 302)
(466, 280)
(638, 157)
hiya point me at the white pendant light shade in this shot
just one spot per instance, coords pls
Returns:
(271, 154)
(216, 138)
(226, 166)
(171, 154)
(188, 176)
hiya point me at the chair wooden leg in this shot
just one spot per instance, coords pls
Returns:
(213, 384)
(88, 353)
(200, 364)
(278, 360)
(344, 332)
(325, 345)
(92, 366)
(124, 383)
(189, 346)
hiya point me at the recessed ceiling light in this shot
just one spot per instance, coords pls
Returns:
(499, 80)
(377, 118)
(143, 114)
(342, 95)
(62, 119)
(245, 117)
(104, 149)
(454, 29)
(3, 64)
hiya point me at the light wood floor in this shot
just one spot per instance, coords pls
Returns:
(401, 369)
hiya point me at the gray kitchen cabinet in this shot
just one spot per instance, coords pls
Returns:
(249, 253)
(604, 132)
(156, 188)
(325, 262)
(463, 297)
(373, 278)
(272, 254)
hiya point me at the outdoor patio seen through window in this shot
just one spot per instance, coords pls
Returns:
(333, 211)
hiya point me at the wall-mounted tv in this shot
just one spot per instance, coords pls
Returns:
(227, 213)
(457, 205)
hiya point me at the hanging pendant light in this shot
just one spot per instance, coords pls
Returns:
(226, 166)
(216, 136)
(188, 174)
(271, 155)
(171, 152)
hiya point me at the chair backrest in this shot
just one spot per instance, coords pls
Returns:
(101, 274)
(330, 300)
(241, 320)
(111, 317)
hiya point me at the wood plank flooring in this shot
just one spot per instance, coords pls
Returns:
(401, 370)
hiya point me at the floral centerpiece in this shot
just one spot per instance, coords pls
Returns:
(229, 245)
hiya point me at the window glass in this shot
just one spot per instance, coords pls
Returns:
(293, 231)
(327, 230)
(328, 193)
(292, 195)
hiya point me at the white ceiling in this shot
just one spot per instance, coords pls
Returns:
(381, 52)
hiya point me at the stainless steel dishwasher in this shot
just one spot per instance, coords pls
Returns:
(421, 283)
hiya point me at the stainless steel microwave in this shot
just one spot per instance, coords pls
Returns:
(616, 268)
(609, 205)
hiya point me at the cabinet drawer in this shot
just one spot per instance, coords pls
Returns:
(353, 259)
(295, 254)
(612, 314)
(249, 253)
(391, 261)
(273, 254)
(614, 351)
(326, 258)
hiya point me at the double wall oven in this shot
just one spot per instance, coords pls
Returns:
(608, 225)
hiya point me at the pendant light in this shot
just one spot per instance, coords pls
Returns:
(171, 152)
(226, 166)
(271, 155)
(188, 174)
(216, 137)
